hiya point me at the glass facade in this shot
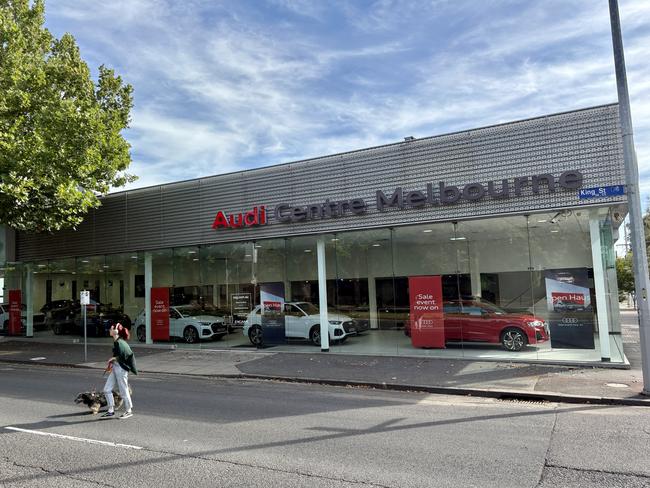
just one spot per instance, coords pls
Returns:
(531, 287)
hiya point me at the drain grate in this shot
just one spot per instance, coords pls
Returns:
(522, 399)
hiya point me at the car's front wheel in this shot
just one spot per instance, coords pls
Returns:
(255, 335)
(57, 329)
(314, 335)
(141, 332)
(513, 339)
(190, 334)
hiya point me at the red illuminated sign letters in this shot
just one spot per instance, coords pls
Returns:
(566, 297)
(257, 216)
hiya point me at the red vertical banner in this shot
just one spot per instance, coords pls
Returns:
(15, 312)
(160, 314)
(427, 316)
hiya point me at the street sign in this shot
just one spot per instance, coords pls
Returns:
(601, 192)
(85, 300)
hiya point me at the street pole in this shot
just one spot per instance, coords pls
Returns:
(85, 338)
(640, 261)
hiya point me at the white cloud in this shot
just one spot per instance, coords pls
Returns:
(126, 11)
(307, 8)
(219, 87)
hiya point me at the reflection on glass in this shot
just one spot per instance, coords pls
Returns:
(509, 287)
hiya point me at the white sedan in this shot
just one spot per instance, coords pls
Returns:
(190, 323)
(301, 321)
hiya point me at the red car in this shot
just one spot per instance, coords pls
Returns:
(479, 321)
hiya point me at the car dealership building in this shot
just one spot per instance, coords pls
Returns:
(490, 243)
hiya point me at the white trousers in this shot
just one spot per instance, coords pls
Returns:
(121, 376)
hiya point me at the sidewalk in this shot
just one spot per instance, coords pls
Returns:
(479, 378)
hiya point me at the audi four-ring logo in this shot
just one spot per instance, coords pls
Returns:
(569, 320)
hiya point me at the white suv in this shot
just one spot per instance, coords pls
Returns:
(191, 323)
(4, 318)
(301, 321)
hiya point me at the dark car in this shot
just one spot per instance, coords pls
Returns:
(56, 305)
(481, 321)
(99, 320)
(237, 319)
(68, 318)
(39, 321)
(58, 315)
(60, 318)
(360, 317)
(231, 320)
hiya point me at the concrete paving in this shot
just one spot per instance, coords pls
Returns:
(438, 375)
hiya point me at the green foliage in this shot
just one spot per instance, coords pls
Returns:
(625, 274)
(60, 132)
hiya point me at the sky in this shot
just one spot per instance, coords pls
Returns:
(221, 86)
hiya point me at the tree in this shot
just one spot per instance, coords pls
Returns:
(60, 132)
(624, 275)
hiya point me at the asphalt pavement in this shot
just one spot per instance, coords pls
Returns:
(203, 432)
(498, 379)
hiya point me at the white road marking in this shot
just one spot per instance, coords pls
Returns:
(72, 438)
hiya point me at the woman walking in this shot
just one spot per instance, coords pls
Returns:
(120, 365)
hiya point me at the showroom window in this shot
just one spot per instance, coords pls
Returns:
(518, 287)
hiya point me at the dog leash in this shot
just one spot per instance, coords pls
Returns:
(109, 368)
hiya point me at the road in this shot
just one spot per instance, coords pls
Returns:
(219, 433)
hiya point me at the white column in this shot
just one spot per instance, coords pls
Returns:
(372, 301)
(285, 275)
(614, 306)
(372, 292)
(148, 283)
(474, 269)
(29, 300)
(226, 274)
(322, 296)
(599, 282)
(287, 290)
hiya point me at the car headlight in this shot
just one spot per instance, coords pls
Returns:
(535, 323)
(335, 322)
(207, 324)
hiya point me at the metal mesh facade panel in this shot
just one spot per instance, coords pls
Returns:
(144, 217)
(180, 214)
(110, 225)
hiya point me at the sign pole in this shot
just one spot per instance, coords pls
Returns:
(84, 299)
(85, 338)
(640, 260)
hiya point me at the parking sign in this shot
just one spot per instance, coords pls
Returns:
(85, 297)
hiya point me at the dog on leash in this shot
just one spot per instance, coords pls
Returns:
(96, 400)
